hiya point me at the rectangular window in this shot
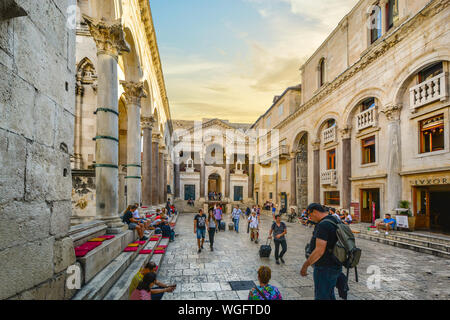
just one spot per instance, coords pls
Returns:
(281, 110)
(331, 159)
(430, 72)
(332, 198)
(270, 195)
(368, 150)
(375, 24)
(432, 134)
(391, 13)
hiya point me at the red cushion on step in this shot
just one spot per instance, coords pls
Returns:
(159, 251)
(107, 237)
(81, 253)
(162, 246)
(140, 242)
(129, 249)
(145, 251)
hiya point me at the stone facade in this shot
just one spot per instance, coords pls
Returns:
(212, 155)
(37, 107)
(369, 88)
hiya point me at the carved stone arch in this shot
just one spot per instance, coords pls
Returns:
(86, 75)
(132, 66)
(319, 124)
(354, 103)
(411, 70)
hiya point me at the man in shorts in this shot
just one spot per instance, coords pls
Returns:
(200, 228)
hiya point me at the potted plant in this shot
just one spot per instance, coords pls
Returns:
(411, 219)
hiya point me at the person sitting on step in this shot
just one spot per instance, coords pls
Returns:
(167, 230)
(387, 224)
(133, 223)
(157, 289)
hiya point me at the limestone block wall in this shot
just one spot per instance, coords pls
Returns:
(37, 75)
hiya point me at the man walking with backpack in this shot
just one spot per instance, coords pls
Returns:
(326, 267)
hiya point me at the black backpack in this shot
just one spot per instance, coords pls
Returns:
(345, 251)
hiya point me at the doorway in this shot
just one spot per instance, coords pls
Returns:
(214, 186)
(189, 191)
(368, 198)
(238, 193)
(431, 209)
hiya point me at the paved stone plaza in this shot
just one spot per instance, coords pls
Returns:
(405, 274)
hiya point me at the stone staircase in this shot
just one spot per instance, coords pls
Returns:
(426, 243)
(109, 270)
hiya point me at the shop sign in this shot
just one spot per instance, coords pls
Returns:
(402, 221)
(430, 181)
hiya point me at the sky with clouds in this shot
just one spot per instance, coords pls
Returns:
(228, 58)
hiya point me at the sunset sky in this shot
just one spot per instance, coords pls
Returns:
(228, 58)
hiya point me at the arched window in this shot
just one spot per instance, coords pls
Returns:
(321, 70)
(391, 13)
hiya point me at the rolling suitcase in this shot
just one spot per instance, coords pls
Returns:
(222, 225)
(265, 249)
(231, 226)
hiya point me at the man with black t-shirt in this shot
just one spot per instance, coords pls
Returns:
(200, 228)
(326, 267)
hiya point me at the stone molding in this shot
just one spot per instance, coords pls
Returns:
(134, 91)
(109, 37)
(346, 132)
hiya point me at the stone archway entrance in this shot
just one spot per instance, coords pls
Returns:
(214, 183)
(302, 172)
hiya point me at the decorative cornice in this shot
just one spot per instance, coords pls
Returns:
(134, 91)
(109, 37)
(346, 132)
(147, 20)
(402, 32)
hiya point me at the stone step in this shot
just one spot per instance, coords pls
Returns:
(404, 245)
(429, 242)
(120, 289)
(85, 231)
(96, 260)
(99, 286)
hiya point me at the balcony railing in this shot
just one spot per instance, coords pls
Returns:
(281, 151)
(328, 177)
(429, 91)
(329, 135)
(366, 119)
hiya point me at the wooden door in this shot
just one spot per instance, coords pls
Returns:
(421, 207)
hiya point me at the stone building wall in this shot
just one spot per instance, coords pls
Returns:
(37, 84)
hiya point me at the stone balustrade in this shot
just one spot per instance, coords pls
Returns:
(329, 135)
(328, 177)
(366, 119)
(429, 91)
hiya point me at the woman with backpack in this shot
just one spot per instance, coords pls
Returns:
(264, 291)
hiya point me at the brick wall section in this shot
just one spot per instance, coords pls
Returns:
(37, 101)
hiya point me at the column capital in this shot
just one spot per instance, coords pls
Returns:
(346, 132)
(392, 112)
(134, 91)
(316, 145)
(147, 122)
(156, 136)
(109, 37)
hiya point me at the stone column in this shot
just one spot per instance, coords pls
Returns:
(176, 178)
(147, 123)
(394, 180)
(346, 168)
(202, 179)
(293, 181)
(110, 42)
(133, 92)
(227, 176)
(251, 169)
(166, 166)
(316, 172)
(161, 175)
(155, 168)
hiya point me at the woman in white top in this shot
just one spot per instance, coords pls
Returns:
(254, 226)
